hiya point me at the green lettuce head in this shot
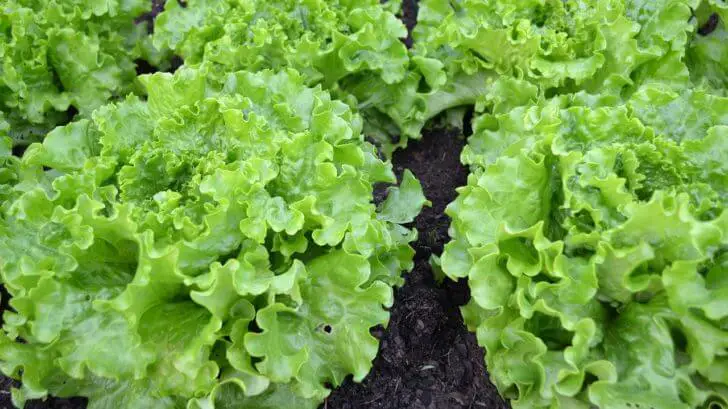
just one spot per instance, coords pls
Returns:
(59, 56)
(593, 229)
(595, 242)
(212, 246)
(605, 48)
(351, 47)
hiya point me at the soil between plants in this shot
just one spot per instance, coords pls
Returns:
(427, 358)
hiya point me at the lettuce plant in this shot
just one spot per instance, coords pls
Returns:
(595, 248)
(593, 230)
(463, 47)
(57, 55)
(606, 48)
(352, 48)
(211, 246)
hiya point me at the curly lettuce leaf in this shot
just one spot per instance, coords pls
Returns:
(404, 203)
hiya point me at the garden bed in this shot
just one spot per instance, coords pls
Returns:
(427, 358)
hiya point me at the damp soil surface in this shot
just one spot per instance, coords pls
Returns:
(427, 358)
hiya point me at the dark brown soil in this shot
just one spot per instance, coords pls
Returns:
(148, 18)
(427, 358)
(409, 18)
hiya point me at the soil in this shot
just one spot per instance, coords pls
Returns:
(427, 358)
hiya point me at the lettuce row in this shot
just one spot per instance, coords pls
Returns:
(55, 55)
(461, 48)
(214, 245)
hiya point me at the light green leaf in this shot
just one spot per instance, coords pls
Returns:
(405, 202)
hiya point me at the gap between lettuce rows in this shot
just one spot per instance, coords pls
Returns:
(427, 358)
